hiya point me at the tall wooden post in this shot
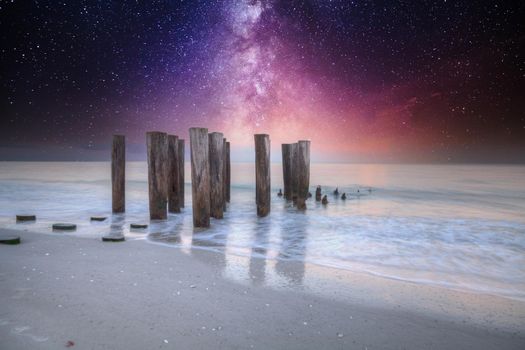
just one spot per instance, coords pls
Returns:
(157, 143)
(118, 174)
(293, 150)
(216, 154)
(228, 172)
(262, 174)
(200, 177)
(287, 170)
(173, 174)
(302, 173)
(224, 174)
(180, 158)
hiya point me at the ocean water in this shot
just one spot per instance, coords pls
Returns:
(456, 226)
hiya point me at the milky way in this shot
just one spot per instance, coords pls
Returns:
(365, 81)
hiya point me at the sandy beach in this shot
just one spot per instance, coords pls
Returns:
(62, 291)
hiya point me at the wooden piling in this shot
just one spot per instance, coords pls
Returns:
(302, 173)
(216, 154)
(262, 174)
(118, 174)
(287, 154)
(173, 174)
(180, 158)
(293, 182)
(318, 196)
(200, 177)
(157, 144)
(228, 173)
(224, 174)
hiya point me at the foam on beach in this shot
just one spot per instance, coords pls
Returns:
(457, 227)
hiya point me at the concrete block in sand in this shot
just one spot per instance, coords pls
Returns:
(25, 218)
(10, 240)
(140, 226)
(64, 227)
(113, 238)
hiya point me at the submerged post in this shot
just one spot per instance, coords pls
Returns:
(173, 174)
(228, 173)
(118, 174)
(180, 158)
(216, 154)
(318, 194)
(302, 173)
(157, 143)
(287, 170)
(200, 177)
(262, 174)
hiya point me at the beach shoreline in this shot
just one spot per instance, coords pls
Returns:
(134, 295)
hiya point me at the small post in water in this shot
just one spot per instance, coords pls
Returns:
(262, 174)
(118, 174)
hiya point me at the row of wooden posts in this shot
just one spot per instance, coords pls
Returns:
(210, 174)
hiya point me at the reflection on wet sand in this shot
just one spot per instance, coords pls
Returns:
(166, 232)
(290, 263)
(116, 227)
(259, 248)
(217, 243)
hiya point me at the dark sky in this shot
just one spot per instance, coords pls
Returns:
(366, 81)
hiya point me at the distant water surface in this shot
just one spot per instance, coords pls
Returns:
(457, 226)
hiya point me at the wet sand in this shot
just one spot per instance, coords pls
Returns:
(62, 291)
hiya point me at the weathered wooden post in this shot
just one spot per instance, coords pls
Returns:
(228, 173)
(157, 143)
(224, 170)
(200, 177)
(262, 174)
(318, 195)
(293, 150)
(118, 174)
(173, 174)
(287, 169)
(302, 173)
(216, 154)
(180, 158)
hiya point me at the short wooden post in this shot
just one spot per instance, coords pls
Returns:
(302, 173)
(173, 174)
(216, 154)
(200, 177)
(318, 195)
(287, 170)
(262, 174)
(157, 143)
(180, 158)
(228, 172)
(118, 174)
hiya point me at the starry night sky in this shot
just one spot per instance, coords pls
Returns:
(366, 81)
